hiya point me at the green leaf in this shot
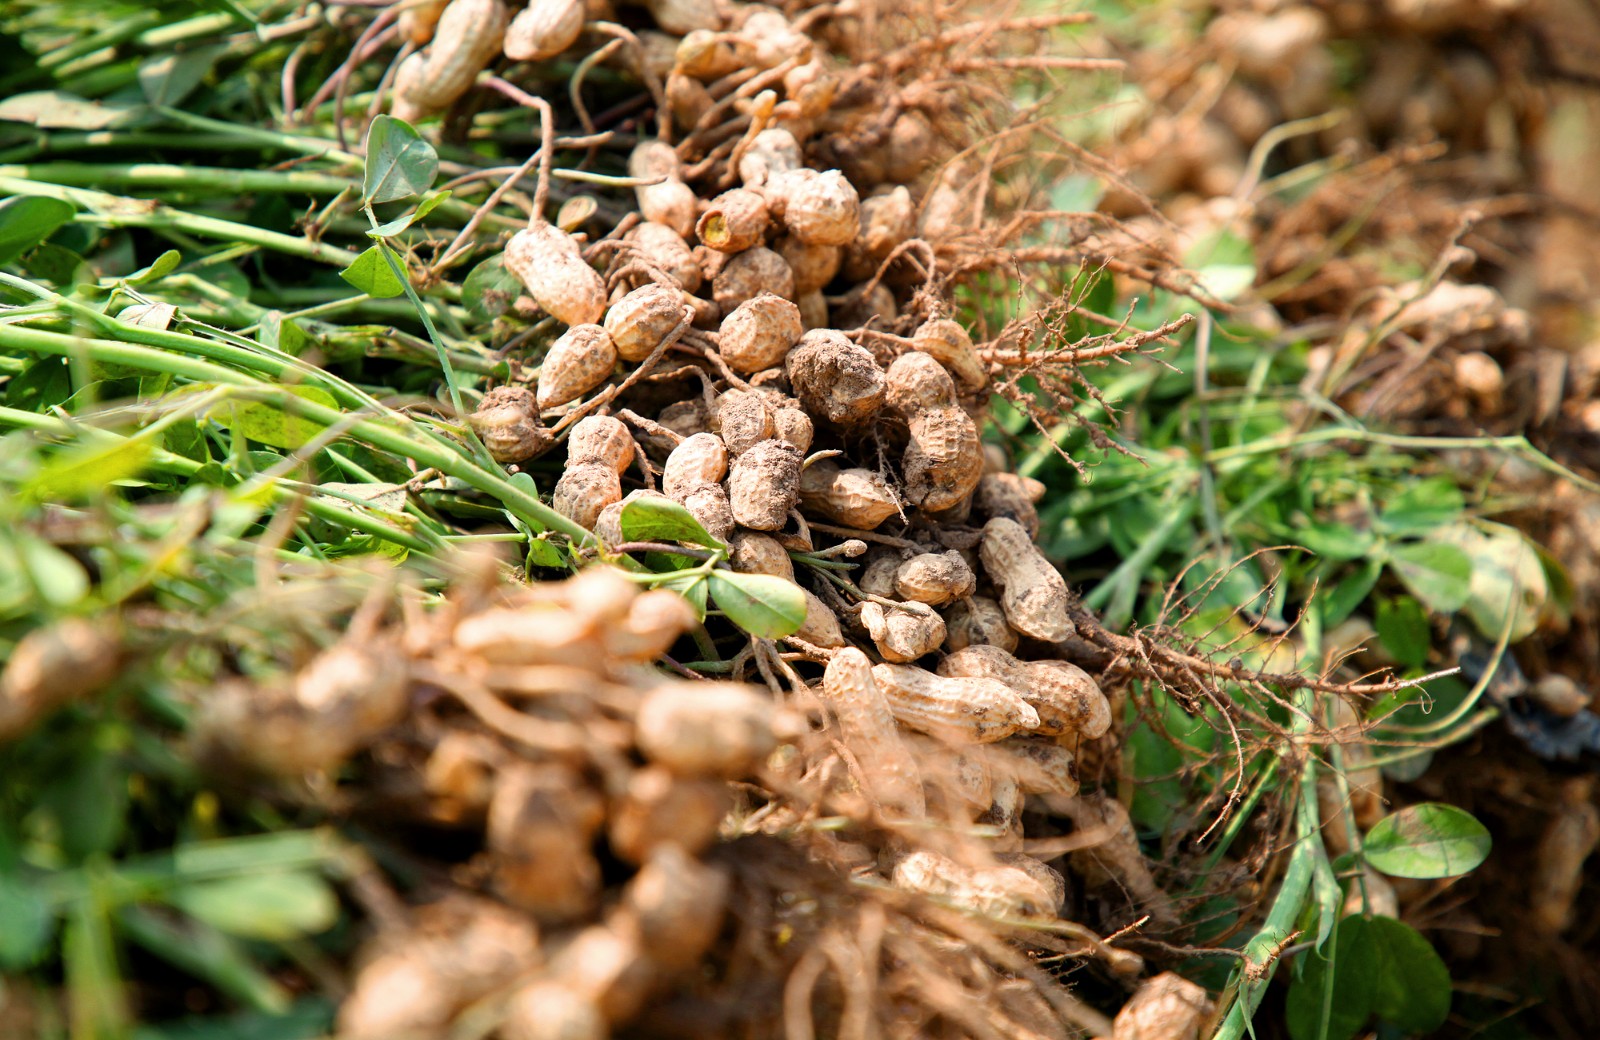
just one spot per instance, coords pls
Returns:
(660, 520)
(1422, 507)
(163, 265)
(277, 906)
(393, 227)
(269, 423)
(1439, 575)
(282, 333)
(371, 273)
(1331, 998)
(85, 470)
(542, 552)
(1430, 840)
(59, 579)
(1508, 580)
(1411, 983)
(169, 78)
(89, 798)
(29, 924)
(45, 383)
(763, 605)
(27, 220)
(1225, 263)
(1402, 626)
(490, 289)
(1335, 541)
(1349, 593)
(400, 163)
(692, 589)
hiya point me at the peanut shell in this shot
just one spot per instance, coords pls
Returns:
(835, 380)
(582, 359)
(544, 29)
(549, 265)
(758, 333)
(1034, 595)
(764, 485)
(700, 459)
(734, 221)
(642, 319)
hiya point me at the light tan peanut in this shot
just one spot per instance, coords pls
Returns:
(887, 220)
(856, 498)
(1034, 595)
(1004, 813)
(773, 38)
(688, 98)
(1067, 699)
(835, 380)
(600, 438)
(701, 459)
(537, 634)
(601, 594)
(709, 504)
(642, 319)
(668, 201)
(818, 208)
(948, 343)
(1167, 1007)
(867, 727)
(1040, 766)
(507, 420)
(821, 627)
(978, 621)
(813, 310)
(877, 579)
(659, 808)
(961, 775)
(582, 359)
(905, 634)
(944, 460)
(665, 248)
(686, 418)
(811, 86)
(758, 333)
(793, 425)
(655, 621)
(935, 579)
(999, 891)
(546, 1009)
(604, 964)
(813, 265)
(764, 485)
(706, 729)
(743, 419)
(771, 152)
(584, 491)
(972, 711)
(734, 221)
(466, 40)
(544, 29)
(684, 16)
(982, 661)
(549, 265)
(748, 274)
(1008, 495)
(704, 55)
(542, 820)
(407, 82)
(677, 904)
(755, 553)
(417, 21)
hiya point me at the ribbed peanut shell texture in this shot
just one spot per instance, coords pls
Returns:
(935, 578)
(962, 711)
(1067, 699)
(857, 498)
(659, 245)
(507, 420)
(643, 318)
(867, 726)
(602, 439)
(701, 459)
(819, 208)
(744, 419)
(735, 221)
(706, 729)
(465, 42)
(544, 29)
(747, 275)
(547, 262)
(759, 332)
(1034, 595)
(582, 359)
(584, 491)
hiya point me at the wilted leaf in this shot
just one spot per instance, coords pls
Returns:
(269, 423)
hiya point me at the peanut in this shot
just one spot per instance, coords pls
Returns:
(978, 621)
(986, 662)
(999, 891)
(541, 822)
(663, 247)
(1039, 766)
(867, 726)
(793, 425)
(944, 460)
(904, 634)
(544, 29)
(963, 777)
(547, 261)
(677, 904)
(735, 221)
(1034, 595)
(1167, 1005)
(708, 503)
(706, 729)
(771, 152)
(584, 491)
(835, 380)
(466, 40)
(856, 498)
(642, 319)
(658, 808)
(546, 1009)
(973, 711)
(877, 579)
(700, 459)
(813, 265)
(758, 333)
(948, 343)
(1067, 699)
(582, 359)
(743, 419)
(1008, 495)
(764, 485)
(655, 621)
(747, 275)
(507, 420)
(684, 16)
(935, 579)
(600, 438)
(417, 21)
(755, 553)
(818, 208)
(669, 201)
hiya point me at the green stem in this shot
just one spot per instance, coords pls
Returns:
(189, 178)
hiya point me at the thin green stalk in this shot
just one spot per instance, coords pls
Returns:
(189, 178)
(401, 440)
(118, 211)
